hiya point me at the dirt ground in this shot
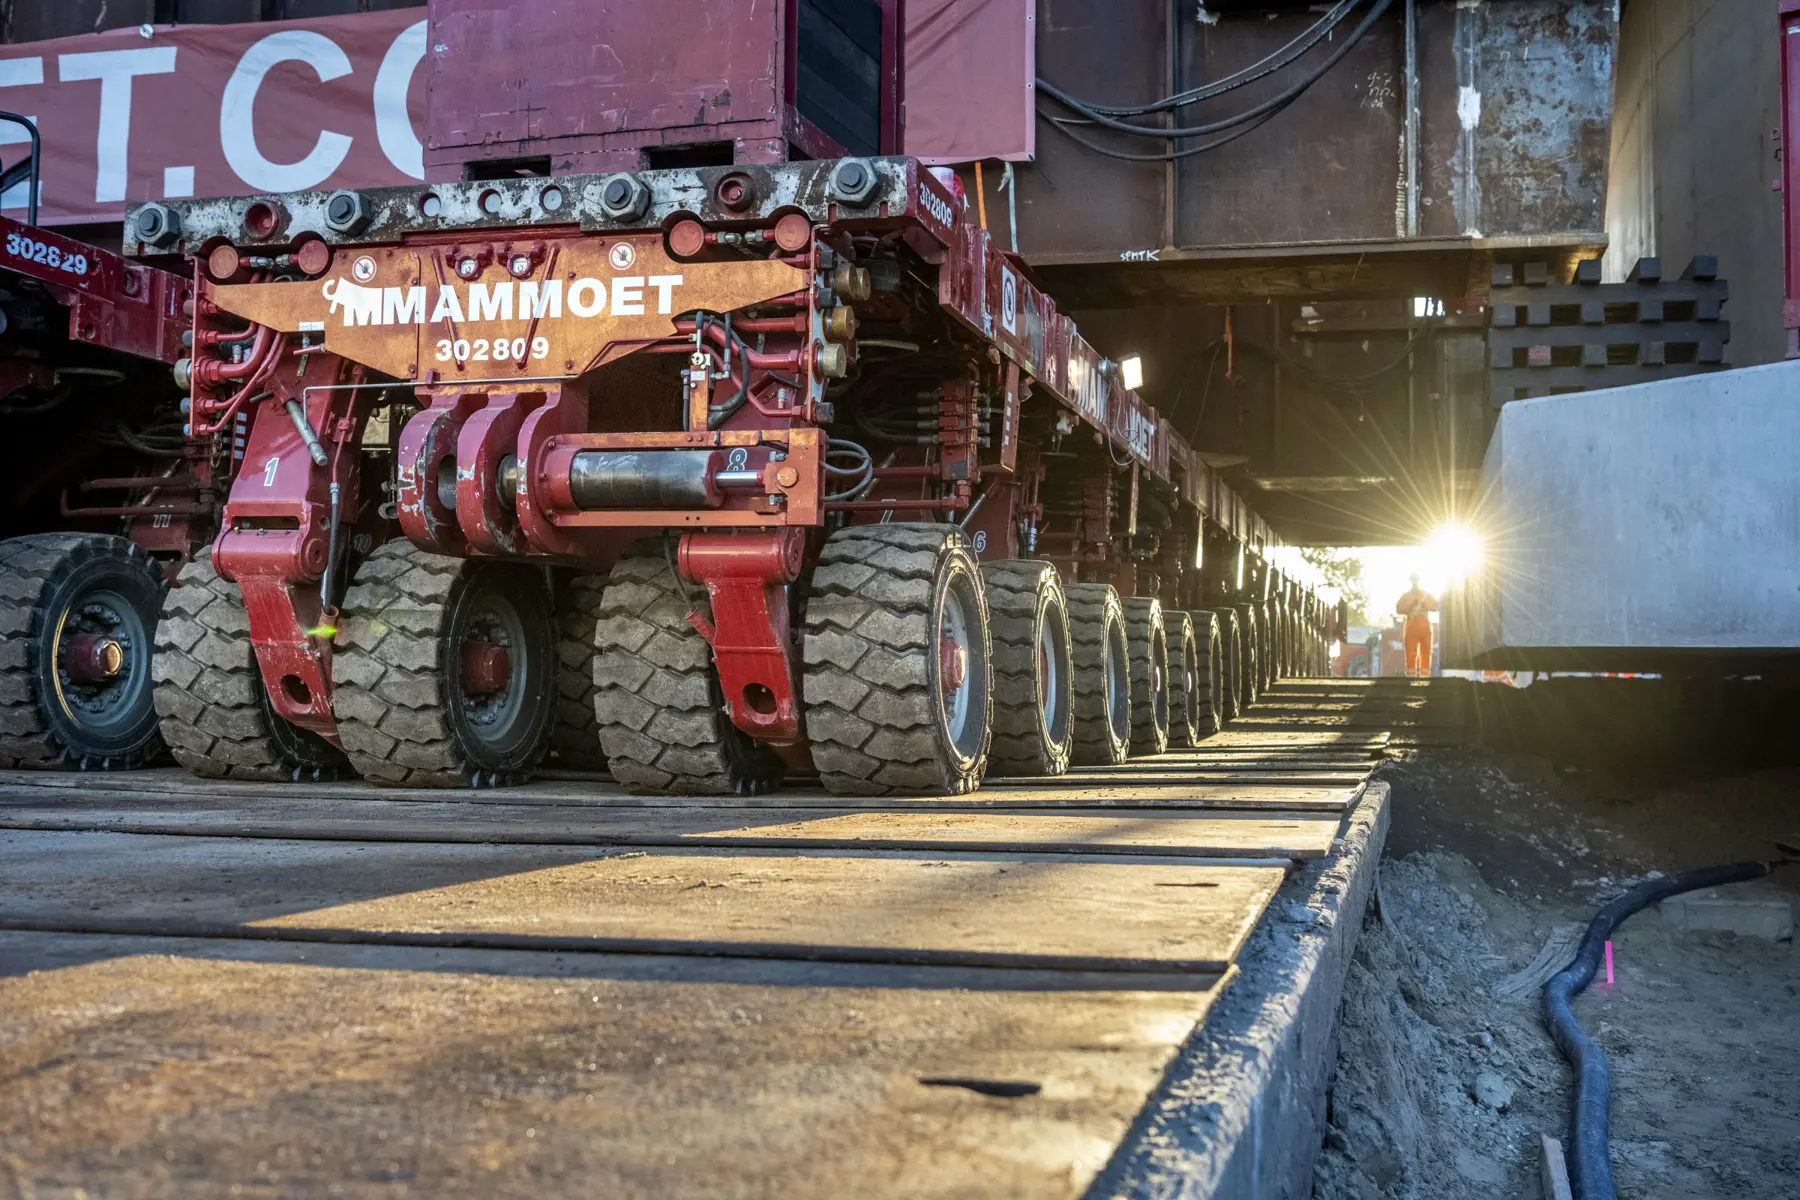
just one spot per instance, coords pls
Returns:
(1443, 1088)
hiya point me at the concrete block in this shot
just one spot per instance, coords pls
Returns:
(1717, 910)
(1637, 522)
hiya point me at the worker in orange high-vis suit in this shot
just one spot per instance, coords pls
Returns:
(1416, 607)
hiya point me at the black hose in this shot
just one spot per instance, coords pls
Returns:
(1305, 41)
(1067, 129)
(1590, 1120)
(1269, 106)
(52, 400)
(718, 414)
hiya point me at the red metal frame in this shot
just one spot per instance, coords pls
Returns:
(746, 577)
(112, 303)
(118, 307)
(585, 380)
(277, 527)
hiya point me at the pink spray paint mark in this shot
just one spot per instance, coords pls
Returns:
(1609, 974)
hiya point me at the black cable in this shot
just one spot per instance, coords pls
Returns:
(1269, 106)
(55, 398)
(718, 414)
(1062, 125)
(147, 442)
(1305, 41)
(1590, 1168)
(864, 471)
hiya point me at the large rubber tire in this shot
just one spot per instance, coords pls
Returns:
(1194, 691)
(1231, 657)
(405, 714)
(1100, 658)
(52, 586)
(215, 713)
(1290, 662)
(1250, 660)
(1212, 701)
(880, 712)
(576, 735)
(1148, 638)
(1184, 678)
(1279, 668)
(1033, 699)
(1268, 654)
(661, 716)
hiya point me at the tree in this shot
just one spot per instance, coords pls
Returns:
(1342, 569)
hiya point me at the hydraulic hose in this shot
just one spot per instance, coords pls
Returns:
(1590, 1120)
(1269, 106)
(1306, 40)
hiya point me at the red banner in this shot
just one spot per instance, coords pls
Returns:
(164, 111)
(216, 110)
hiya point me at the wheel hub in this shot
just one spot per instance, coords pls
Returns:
(92, 658)
(953, 663)
(486, 668)
(955, 687)
(95, 656)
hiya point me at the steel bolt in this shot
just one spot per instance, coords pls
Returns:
(623, 197)
(347, 212)
(157, 225)
(853, 181)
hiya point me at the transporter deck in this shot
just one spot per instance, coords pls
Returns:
(564, 989)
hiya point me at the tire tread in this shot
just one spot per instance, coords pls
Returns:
(871, 703)
(31, 566)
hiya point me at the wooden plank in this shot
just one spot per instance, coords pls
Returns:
(1123, 776)
(1291, 739)
(1349, 724)
(1205, 768)
(1050, 912)
(1010, 792)
(1503, 342)
(1243, 767)
(1555, 1177)
(1220, 769)
(1094, 831)
(1360, 753)
(527, 1075)
(1208, 770)
(1242, 759)
(1003, 794)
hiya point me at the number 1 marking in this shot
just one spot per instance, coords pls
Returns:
(269, 469)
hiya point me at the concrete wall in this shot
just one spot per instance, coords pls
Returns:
(1694, 153)
(1630, 525)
